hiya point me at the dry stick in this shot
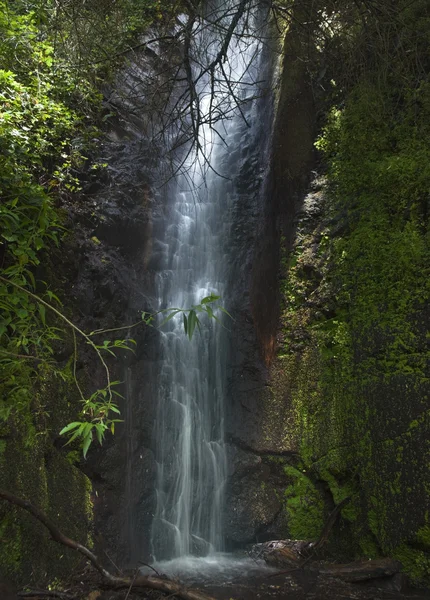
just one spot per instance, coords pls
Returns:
(163, 585)
(194, 99)
(25, 356)
(110, 559)
(75, 362)
(329, 524)
(144, 564)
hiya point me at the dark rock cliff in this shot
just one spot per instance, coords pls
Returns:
(325, 403)
(261, 415)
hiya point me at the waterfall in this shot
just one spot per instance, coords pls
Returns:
(188, 435)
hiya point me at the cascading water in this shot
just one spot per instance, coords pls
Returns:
(189, 427)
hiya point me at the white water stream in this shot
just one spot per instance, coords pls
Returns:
(189, 428)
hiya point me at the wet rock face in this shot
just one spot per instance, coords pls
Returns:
(253, 498)
(260, 417)
(109, 284)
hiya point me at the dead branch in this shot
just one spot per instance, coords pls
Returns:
(131, 584)
(155, 583)
(222, 54)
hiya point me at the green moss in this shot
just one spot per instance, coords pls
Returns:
(369, 547)
(10, 552)
(416, 563)
(423, 536)
(304, 506)
(32, 468)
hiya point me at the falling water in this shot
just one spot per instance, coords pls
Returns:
(189, 427)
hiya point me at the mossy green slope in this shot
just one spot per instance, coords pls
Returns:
(355, 325)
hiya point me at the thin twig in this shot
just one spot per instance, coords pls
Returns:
(131, 584)
(149, 567)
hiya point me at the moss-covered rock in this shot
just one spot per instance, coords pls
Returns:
(352, 343)
(32, 468)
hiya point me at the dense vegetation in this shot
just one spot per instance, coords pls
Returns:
(53, 58)
(356, 308)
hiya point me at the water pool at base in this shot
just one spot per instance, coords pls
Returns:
(218, 568)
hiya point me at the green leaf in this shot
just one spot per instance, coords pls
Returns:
(77, 433)
(172, 314)
(185, 324)
(100, 432)
(87, 442)
(31, 277)
(210, 298)
(69, 427)
(192, 321)
(52, 296)
(42, 313)
(222, 309)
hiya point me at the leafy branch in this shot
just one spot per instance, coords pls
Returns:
(98, 408)
(100, 404)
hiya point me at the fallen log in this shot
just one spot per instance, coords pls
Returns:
(296, 554)
(112, 581)
(361, 570)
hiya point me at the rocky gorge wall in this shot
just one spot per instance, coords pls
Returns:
(335, 404)
(99, 273)
(342, 409)
(261, 421)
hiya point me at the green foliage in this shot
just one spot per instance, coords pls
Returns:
(97, 409)
(37, 131)
(190, 318)
(51, 57)
(379, 173)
